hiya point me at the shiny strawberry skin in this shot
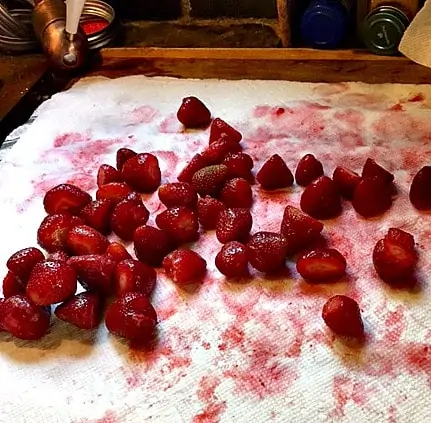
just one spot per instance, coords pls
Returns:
(308, 170)
(142, 173)
(65, 198)
(274, 174)
(21, 263)
(82, 240)
(193, 113)
(184, 266)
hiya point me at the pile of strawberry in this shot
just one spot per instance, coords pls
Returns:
(213, 192)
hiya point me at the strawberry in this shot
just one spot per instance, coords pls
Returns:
(393, 260)
(58, 256)
(83, 240)
(131, 317)
(142, 172)
(24, 319)
(221, 129)
(420, 189)
(196, 163)
(2, 313)
(133, 276)
(151, 245)
(372, 197)
(321, 265)
(346, 181)
(308, 170)
(21, 263)
(117, 252)
(184, 266)
(97, 215)
(237, 193)
(239, 165)
(12, 286)
(208, 211)
(193, 113)
(53, 230)
(127, 216)
(51, 282)
(267, 251)
(343, 316)
(299, 229)
(123, 154)
(114, 192)
(178, 194)
(180, 223)
(321, 199)
(107, 174)
(83, 310)
(219, 149)
(274, 174)
(373, 170)
(400, 237)
(233, 225)
(232, 260)
(65, 198)
(210, 179)
(95, 272)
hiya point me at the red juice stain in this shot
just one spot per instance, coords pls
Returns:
(206, 345)
(231, 338)
(108, 417)
(213, 406)
(392, 414)
(394, 325)
(70, 139)
(171, 125)
(416, 98)
(397, 107)
(144, 114)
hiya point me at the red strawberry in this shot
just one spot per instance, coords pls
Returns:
(420, 189)
(65, 198)
(342, 315)
(134, 276)
(22, 262)
(321, 199)
(210, 179)
(117, 252)
(196, 163)
(220, 129)
(53, 230)
(107, 174)
(95, 272)
(372, 197)
(151, 245)
(51, 282)
(178, 194)
(274, 174)
(12, 286)
(24, 319)
(114, 192)
(308, 170)
(97, 215)
(180, 223)
(299, 229)
(267, 251)
(142, 172)
(373, 170)
(239, 165)
(2, 313)
(401, 237)
(321, 265)
(123, 154)
(83, 310)
(346, 181)
(184, 266)
(127, 216)
(237, 193)
(393, 260)
(193, 113)
(132, 317)
(58, 256)
(82, 240)
(233, 225)
(219, 149)
(208, 211)
(232, 260)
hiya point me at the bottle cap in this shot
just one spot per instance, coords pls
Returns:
(383, 29)
(324, 25)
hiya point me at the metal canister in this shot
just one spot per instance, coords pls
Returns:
(383, 28)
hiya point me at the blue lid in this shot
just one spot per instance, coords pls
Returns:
(324, 25)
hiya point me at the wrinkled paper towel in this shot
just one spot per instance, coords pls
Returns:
(230, 351)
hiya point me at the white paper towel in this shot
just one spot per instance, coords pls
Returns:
(256, 351)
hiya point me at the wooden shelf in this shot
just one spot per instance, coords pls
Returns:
(294, 64)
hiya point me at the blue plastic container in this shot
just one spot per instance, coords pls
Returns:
(324, 24)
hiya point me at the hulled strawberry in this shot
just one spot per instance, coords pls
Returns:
(21, 263)
(65, 198)
(133, 276)
(232, 260)
(221, 129)
(142, 172)
(97, 215)
(152, 245)
(308, 170)
(107, 174)
(237, 193)
(180, 224)
(346, 181)
(184, 266)
(178, 194)
(234, 225)
(193, 113)
(208, 211)
(83, 240)
(274, 174)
